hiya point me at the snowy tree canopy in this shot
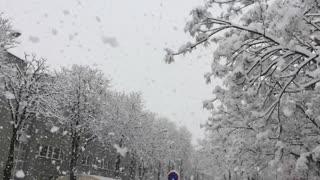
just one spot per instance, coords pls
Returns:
(82, 99)
(27, 93)
(7, 36)
(133, 131)
(265, 114)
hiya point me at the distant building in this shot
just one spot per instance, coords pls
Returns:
(43, 155)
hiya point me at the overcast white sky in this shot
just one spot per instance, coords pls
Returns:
(124, 38)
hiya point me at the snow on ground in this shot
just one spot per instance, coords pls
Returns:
(88, 177)
(103, 178)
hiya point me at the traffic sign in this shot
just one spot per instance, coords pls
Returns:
(173, 175)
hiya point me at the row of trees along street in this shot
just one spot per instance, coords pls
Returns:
(79, 99)
(265, 120)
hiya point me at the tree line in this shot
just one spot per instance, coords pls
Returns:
(80, 100)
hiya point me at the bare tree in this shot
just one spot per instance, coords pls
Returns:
(82, 107)
(27, 89)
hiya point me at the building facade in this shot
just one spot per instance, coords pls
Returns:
(43, 155)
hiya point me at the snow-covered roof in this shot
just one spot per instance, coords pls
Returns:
(12, 52)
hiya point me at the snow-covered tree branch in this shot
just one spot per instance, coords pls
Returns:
(268, 58)
(27, 92)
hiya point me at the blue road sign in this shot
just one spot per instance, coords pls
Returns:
(173, 175)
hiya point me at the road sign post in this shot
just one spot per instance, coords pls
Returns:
(173, 175)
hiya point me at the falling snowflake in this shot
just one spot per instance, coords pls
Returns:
(112, 41)
(121, 151)
(111, 134)
(243, 102)
(9, 95)
(34, 39)
(54, 129)
(98, 19)
(20, 174)
(54, 32)
(23, 103)
(287, 111)
(66, 12)
(71, 37)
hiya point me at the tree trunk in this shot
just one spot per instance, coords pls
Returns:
(75, 137)
(142, 171)
(139, 171)
(173, 165)
(117, 169)
(7, 172)
(132, 167)
(225, 178)
(74, 155)
(159, 171)
(181, 169)
(170, 166)
(118, 161)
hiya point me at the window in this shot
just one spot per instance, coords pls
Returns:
(63, 130)
(50, 152)
(24, 128)
(84, 160)
(105, 163)
(89, 160)
(56, 153)
(100, 163)
(19, 157)
(19, 151)
(110, 164)
(18, 164)
(61, 155)
(43, 150)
